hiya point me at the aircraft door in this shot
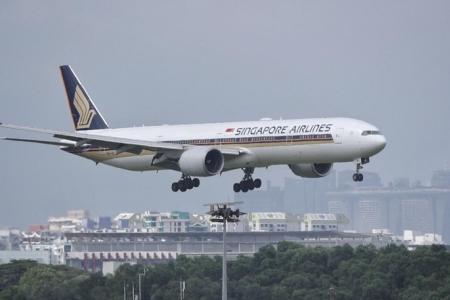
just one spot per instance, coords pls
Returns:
(338, 135)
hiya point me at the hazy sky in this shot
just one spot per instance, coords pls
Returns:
(157, 62)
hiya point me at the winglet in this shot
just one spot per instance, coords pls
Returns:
(85, 114)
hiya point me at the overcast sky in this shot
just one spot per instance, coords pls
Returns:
(158, 62)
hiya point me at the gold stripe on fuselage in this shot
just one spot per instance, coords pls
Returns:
(102, 154)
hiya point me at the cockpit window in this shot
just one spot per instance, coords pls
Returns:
(370, 132)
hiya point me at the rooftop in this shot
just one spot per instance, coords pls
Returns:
(268, 215)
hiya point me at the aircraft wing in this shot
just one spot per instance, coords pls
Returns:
(80, 139)
(38, 141)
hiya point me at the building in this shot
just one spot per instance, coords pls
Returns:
(79, 214)
(304, 195)
(371, 214)
(75, 220)
(396, 208)
(128, 221)
(199, 223)
(441, 179)
(294, 222)
(175, 221)
(94, 251)
(37, 228)
(104, 223)
(241, 226)
(267, 221)
(415, 238)
(9, 239)
(320, 222)
(417, 215)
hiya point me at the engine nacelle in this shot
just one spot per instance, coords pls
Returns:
(201, 161)
(312, 170)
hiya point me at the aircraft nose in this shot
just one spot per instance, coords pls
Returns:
(379, 143)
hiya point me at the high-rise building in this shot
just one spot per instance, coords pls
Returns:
(372, 215)
(441, 179)
(417, 215)
(303, 195)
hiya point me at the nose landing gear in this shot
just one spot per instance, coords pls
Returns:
(358, 177)
(185, 183)
(247, 183)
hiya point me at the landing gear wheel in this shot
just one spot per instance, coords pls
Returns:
(358, 177)
(257, 183)
(247, 183)
(196, 182)
(251, 185)
(185, 183)
(182, 185)
(189, 184)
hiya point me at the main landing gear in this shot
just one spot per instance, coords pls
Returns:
(185, 183)
(357, 177)
(247, 183)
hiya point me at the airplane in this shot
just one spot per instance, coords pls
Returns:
(309, 147)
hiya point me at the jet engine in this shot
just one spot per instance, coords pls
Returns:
(312, 170)
(201, 161)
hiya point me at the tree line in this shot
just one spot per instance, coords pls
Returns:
(288, 271)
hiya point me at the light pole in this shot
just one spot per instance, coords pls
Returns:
(222, 213)
(224, 262)
(182, 288)
(140, 291)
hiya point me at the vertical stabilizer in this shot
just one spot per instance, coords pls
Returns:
(85, 114)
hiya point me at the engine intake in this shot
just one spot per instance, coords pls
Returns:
(315, 170)
(201, 161)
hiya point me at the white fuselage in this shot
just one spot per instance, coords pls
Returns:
(265, 142)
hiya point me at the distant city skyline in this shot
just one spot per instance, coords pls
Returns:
(393, 208)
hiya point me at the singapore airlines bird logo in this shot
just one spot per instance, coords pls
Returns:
(86, 114)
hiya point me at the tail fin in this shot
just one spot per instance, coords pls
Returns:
(84, 113)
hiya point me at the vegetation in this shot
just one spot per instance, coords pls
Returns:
(288, 272)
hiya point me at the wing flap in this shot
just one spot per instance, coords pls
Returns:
(38, 141)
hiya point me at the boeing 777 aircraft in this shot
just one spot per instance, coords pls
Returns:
(308, 146)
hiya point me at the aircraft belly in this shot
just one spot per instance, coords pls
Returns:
(295, 154)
